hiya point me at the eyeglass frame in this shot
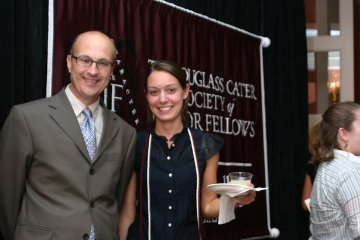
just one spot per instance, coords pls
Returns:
(92, 61)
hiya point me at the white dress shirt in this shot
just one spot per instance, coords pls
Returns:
(335, 199)
(96, 110)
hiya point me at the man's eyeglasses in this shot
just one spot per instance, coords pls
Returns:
(86, 62)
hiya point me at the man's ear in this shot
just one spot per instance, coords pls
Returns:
(68, 63)
(112, 68)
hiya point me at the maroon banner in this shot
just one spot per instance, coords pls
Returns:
(223, 67)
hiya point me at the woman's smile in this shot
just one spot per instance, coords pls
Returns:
(165, 97)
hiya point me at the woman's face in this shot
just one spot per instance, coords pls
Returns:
(354, 136)
(165, 96)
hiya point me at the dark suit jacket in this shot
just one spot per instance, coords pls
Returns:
(49, 189)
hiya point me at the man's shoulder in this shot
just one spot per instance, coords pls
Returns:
(39, 105)
(119, 120)
(42, 101)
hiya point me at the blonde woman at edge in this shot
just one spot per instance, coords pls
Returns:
(335, 196)
(173, 166)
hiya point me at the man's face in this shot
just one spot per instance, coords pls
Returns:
(88, 82)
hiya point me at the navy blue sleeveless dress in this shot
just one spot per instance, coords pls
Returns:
(172, 185)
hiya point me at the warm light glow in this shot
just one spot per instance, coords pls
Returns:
(334, 85)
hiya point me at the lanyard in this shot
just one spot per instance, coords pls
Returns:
(196, 162)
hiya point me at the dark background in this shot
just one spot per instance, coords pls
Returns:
(23, 51)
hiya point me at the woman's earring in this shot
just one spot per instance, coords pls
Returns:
(153, 117)
(346, 144)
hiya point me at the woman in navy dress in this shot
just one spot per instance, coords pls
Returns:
(167, 197)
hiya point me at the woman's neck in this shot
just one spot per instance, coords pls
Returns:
(168, 130)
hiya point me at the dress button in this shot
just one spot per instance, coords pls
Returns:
(85, 236)
(170, 207)
(92, 171)
(168, 158)
(169, 224)
(170, 174)
(92, 204)
(170, 191)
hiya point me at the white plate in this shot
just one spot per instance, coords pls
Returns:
(220, 188)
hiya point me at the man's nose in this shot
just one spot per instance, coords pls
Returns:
(92, 69)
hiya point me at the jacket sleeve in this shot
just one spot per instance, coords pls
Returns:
(15, 158)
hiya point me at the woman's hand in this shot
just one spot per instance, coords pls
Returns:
(247, 198)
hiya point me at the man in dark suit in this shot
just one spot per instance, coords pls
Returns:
(64, 171)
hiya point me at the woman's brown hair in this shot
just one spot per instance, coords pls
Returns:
(323, 132)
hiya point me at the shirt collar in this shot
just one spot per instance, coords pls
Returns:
(78, 105)
(348, 155)
(174, 138)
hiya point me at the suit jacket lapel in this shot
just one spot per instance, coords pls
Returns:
(110, 129)
(64, 116)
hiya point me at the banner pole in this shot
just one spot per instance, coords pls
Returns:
(50, 49)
